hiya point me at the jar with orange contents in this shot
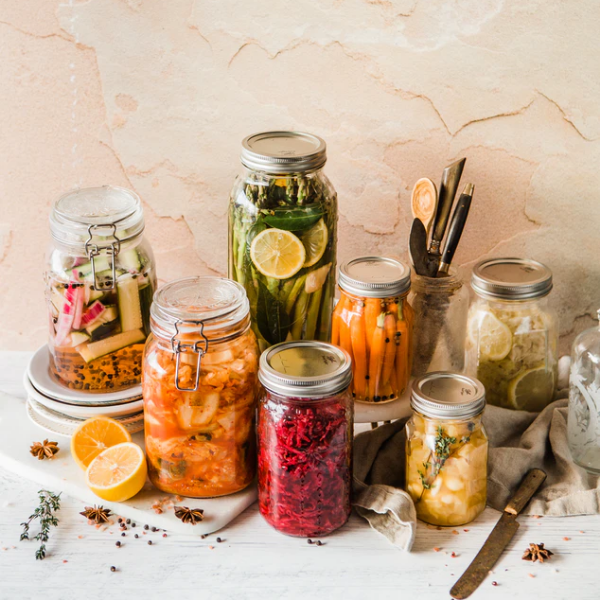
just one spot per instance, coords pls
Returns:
(200, 383)
(373, 323)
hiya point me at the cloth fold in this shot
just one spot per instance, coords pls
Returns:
(519, 441)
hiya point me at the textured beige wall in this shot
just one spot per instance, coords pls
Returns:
(157, 96)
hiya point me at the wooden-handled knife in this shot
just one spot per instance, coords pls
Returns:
(448, 187)
(500, 537)
(457, 224)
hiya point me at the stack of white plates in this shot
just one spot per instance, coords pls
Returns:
(60, 410)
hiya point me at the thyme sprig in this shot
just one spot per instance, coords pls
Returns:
(45, 512)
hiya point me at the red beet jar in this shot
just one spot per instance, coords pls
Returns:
(305, 426)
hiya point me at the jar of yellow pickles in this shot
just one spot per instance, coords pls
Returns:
(447, 449)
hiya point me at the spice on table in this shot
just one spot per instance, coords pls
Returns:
(45, 449)
(149, 542)
(113, 569)
(566, 539)
(118, 544)
(537, 552)
(97, 514)
(188, 515)
(45, 512)
(494, 583)
(136, 536)
(123, 534)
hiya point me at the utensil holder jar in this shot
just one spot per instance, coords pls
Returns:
(440, 306)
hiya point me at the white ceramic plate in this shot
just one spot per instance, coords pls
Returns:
(64, 425)
(38, 372)
(85, 411)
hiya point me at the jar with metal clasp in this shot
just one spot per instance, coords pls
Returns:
(200, 383)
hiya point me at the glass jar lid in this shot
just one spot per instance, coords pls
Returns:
(96, 216)
(281, 152)
(210, 306)
(305, 368)
(446, 395)
(374, 277)
(511, 279)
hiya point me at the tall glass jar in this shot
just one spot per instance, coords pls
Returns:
(200, 385)
(100, 278)
(283, 235)
(373, 323)
(305, 429)
(440, 306)
(512, 333)
(584, 400)
(447, 449)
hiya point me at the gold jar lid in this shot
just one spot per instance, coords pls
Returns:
(374, 277)
(305, 368)
(447, 395)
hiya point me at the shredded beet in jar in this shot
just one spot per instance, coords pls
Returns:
(304, 464)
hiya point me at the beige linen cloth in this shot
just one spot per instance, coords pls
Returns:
(519, 441)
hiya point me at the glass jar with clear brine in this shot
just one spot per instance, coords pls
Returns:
(100, 278)
(447, 449)
(200, 384)
(512, 333)
(282, 236)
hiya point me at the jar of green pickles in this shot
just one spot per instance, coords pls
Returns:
(512, 334)
(282, 236)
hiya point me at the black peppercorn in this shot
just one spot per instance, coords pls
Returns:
(128, 521)
(113, 569)
(146, 527)
(219, 540)
(123, 534)
(149, 542)
(118, 544)
(136, 536)
(309, 541)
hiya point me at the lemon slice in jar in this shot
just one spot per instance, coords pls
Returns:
(531, 390)
(118, 473)
(277, 253)
(495, 338)
(315, 243)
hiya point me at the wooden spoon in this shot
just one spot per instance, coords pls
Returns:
(424, 201)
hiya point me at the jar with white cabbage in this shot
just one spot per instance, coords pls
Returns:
(447, 449)
(512, 333)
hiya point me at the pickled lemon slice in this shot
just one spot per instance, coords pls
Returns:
(495, 338)
(315, 243)
(94, 436)
(118, 473)
(532, 390)
(277, 253)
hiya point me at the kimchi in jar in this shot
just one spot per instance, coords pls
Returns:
(200, 388)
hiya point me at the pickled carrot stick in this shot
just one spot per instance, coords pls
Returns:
(359, 349)
(335, 320)
(376, 358)
(345, 339)
(372, 310)
(390, 347)
(402, 350)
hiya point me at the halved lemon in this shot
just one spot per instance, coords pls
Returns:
(315, 243)
(532, 390)
(94, 436)
(277, 253)
(118, 473)
(495, 338)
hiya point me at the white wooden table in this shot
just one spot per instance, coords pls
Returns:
(254, 561)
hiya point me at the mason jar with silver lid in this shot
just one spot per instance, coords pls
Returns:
(305, 430)
(373, 322)
(100, 278)
(200, 389)
(283, 236)
(512, 333)
(447, 448)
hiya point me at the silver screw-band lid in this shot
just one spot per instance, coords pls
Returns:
(374, 277)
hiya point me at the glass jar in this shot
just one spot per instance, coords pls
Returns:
(200, 387)
(283, 236)
(440, 307)
(512, 334)
(100, 279)
(584, 400)
(447, 449)
(373, 323)
(305, 427)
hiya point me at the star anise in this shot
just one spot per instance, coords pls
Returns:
(98, 514)
(44, 449)
(537, 552)
(189, 515)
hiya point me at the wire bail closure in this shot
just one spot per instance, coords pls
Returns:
(178, 348)
(93, 250)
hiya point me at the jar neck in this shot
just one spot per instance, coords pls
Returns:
(442, 285)
(100, 242)
(356, 298)
(505, 303)
(476, 419)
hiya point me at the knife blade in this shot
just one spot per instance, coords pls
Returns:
(424, 264)
(450, 180)
(500, 537)
(457, 224)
